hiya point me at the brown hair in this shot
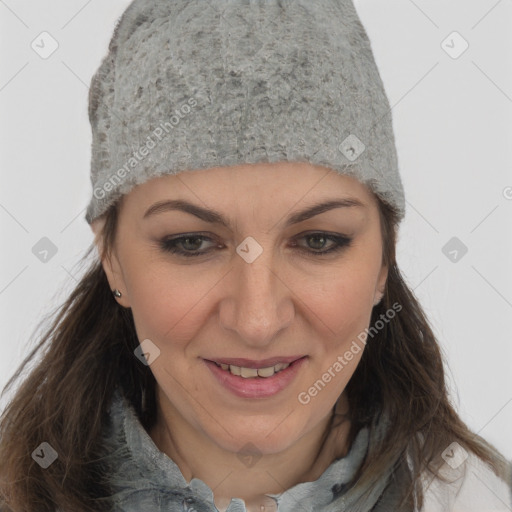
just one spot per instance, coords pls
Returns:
(88, 350)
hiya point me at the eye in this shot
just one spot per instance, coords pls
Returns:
(190, 244)
(320, 239)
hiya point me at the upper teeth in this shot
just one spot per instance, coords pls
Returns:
(254, 372)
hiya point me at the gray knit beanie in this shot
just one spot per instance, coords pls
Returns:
(194, 84)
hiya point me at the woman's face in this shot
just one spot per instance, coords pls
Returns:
(256, 288)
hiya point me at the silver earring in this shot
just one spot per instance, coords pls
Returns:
(117, 293)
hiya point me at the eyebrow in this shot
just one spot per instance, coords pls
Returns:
(215, 217)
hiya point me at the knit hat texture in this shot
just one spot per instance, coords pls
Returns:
(195, 84)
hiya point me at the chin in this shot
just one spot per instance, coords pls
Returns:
(263, 437)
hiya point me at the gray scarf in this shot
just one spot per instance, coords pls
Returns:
(145, 479)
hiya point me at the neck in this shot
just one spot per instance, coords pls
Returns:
(198, 457)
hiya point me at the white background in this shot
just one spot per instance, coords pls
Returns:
(452, 120)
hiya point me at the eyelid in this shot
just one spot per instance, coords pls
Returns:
(340, 241)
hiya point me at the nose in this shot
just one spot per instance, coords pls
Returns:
(259, 303)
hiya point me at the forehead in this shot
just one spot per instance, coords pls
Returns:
(262, 182)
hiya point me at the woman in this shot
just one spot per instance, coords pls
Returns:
(245, 340)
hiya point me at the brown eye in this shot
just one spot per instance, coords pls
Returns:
(317, 241)
(186, 245)
(190, 244)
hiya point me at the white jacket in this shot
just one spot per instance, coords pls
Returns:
(472, 487)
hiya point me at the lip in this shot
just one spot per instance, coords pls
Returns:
(251, 363)
(256, 387)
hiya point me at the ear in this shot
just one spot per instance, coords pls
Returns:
(381, 285)
(110, 264)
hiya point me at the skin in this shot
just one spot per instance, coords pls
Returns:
(286, 302)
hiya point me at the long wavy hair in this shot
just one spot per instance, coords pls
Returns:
(88, 350)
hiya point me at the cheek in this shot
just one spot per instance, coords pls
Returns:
(342, 311)
(342, 302)
(167, 302)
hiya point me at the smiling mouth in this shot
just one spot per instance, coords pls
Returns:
(247, 380)
(253, 369)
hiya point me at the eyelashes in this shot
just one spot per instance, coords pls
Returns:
(178, 245)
